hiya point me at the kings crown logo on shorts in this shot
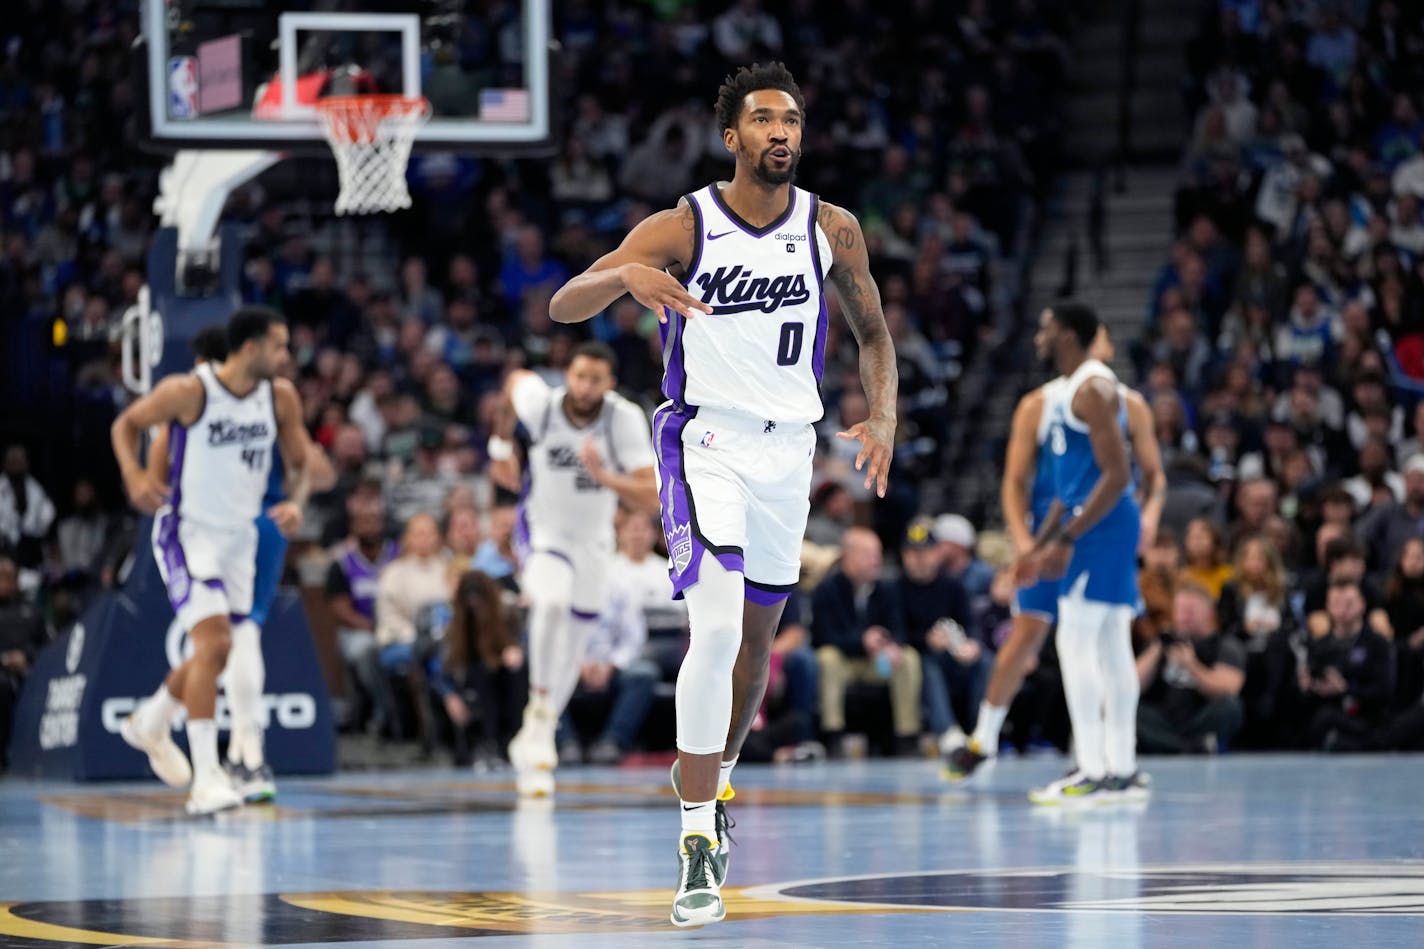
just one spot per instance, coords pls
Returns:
(680, 547)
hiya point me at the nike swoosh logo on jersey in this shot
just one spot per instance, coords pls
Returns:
(713, 237)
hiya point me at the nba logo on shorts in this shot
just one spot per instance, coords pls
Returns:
(680, 546)
(707, 439)
(183, 87)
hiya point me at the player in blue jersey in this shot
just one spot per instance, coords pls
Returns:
(246, 672)
(744, 336)
(1027, 495)
(1088, 542)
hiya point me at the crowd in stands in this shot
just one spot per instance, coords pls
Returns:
(1283, 356)
(936, 123)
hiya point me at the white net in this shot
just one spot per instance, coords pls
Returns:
(371, 137)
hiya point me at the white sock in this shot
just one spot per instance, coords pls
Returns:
(244, 679)
(1122, 687)
(203, 745)
(700, 818)
(568, 651)
(157, 713)
(986, 729)
(724, 777)
(704, 683)
(1080, 625)
(550, 582)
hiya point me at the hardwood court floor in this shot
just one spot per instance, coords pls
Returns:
(1235, 851)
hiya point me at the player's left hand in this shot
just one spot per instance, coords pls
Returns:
(877, 447)
(591, 460)
(287, 516)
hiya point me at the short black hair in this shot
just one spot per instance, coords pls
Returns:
(210, 343)
(1342, 548)
(594, 349)
(250, 322)
(742, 83)
(1078, 317)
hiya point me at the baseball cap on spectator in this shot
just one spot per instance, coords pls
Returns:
(920, 534)
(955, 529)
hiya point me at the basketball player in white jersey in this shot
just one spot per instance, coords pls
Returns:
(1089, 539)
(588, 450)
(1026, 496)
(224, 425)
(744, 326)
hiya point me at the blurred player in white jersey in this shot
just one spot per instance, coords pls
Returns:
(588, 450)
(224, 424)
(736, 272)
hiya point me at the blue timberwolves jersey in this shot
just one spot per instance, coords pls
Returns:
(1075, 469)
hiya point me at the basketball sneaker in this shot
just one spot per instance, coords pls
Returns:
(212, 791)
(961, 763)
(164, 756)
(724, 823)
(699, 892)
(533, 751)
(1135, 787)
(1074, 789)
(254, 784)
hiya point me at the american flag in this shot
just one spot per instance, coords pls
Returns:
(504, 105)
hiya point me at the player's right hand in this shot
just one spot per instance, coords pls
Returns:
(660, 291)
(146, 492)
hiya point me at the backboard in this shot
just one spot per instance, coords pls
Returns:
(243, 74)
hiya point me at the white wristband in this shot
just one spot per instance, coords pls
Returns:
(499, 449)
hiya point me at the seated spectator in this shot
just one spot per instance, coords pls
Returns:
(415, 579)
(1205, 557)
(351, 584)
(956, 537)
(955, 665)
(481, 664)
(1387, 526)
(832, 512)
(614, 667)
(1348, 676)
(462, 537)
(1404, 601)
(1255, 609)
(1157, 582)
(26, 512)
(1344, 561)
(1191, 678)
(496, 555)
(22, 633)
(859, 634)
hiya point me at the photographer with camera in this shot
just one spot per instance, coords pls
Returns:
(1191, 680)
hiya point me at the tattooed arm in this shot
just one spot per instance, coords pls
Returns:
(637, 266)
(860, 299)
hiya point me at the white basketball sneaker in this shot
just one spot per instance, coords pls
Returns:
(533, 752)
(212, 791)
(164, 756)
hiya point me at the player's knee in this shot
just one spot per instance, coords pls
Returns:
(212, 649)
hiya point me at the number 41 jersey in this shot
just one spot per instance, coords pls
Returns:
(219, 465)
(761, 351)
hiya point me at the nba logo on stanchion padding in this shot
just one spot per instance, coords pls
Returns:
(182, 87)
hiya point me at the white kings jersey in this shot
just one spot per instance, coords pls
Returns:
(219, 465)
(761, 351)
(562, 503)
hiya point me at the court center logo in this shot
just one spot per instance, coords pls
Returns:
(1351, 889)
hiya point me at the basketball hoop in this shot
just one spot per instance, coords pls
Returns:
(371, 137)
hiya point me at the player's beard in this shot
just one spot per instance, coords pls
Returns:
(768, 175)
